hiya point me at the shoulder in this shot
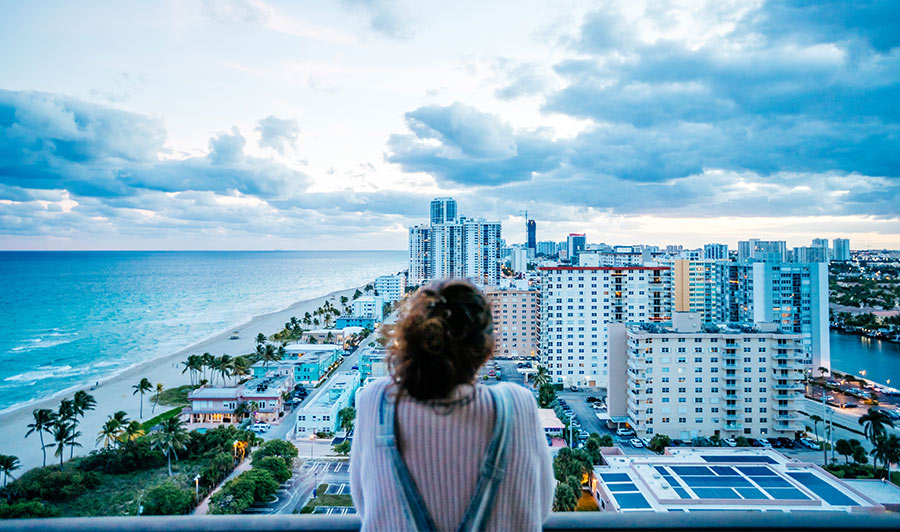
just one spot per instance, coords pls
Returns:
(522, 398)
(372, 392)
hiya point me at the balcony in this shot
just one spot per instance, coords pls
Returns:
(733, 426)
(557, 521)
(796, 386)
(786, 417)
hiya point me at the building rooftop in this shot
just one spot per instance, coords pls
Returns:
(700, 479)
(208, 392)
(336, 387)
(304, 348)
(269, 386)
(549, 419)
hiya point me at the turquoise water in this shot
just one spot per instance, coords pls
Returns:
(69, 318)
(852, 354)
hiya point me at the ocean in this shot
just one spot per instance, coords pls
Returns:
(70, 318)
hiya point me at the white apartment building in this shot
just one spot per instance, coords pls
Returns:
(517, 324)
(578, 304)
(715, 251)
(841, 249)
(390, 287)
(695, 287)
(369, 307)
(518, 260)
(419, 254)
(321, 413)
(691, 380)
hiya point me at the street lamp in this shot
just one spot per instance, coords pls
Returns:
(197, 487)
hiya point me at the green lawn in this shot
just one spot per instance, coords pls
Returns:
(152, 422)
(174, 396)
(326, 500)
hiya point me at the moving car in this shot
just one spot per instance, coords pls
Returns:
(259, 427)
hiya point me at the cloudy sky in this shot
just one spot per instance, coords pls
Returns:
(252, 124)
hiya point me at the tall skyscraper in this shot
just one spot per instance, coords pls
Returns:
(577, 306)
(820, 243)
(443, 210)
(454, 246)
(715, 251)
(575, 243)
(762, 250)
(841, 249)
(531, 241)
(695, 287)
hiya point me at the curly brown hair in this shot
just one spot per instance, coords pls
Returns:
(444, 336)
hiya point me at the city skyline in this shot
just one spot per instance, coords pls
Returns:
(251, 124)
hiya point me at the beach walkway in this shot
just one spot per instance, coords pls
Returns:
(203, 507)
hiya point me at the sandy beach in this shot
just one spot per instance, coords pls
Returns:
(115, 393)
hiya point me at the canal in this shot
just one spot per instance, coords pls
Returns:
(853, 354)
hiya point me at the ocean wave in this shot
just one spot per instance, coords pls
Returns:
(47, 372)
(45, 340)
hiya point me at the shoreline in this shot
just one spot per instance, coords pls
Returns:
(114, 392)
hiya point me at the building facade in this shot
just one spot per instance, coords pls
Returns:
(691, 380)
(575, 244)
(531, 236)
(517, 322)
(577, 306)
(391, 287)
(419, 254)
(715, 251)
(320, 414)
(841, 249)
(695, 287)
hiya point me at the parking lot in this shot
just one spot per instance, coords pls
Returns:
(310, 473)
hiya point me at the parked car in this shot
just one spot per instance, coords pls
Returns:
(624, 432)
(775, 442)
(849, 405)
(810, 443)
(259, 428)
(636, 443)
(754, 442)
(583, 434)
(354, 366)
(573, 388)
(787, 443)
(731, 442)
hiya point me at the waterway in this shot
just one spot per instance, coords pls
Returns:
(854, 354)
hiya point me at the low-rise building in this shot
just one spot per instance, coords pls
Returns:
(306, 363)
(217, 405)
(688, 379)
(369, 307)
(355, 321)
(716, 478)
(517, 322)
(372, 363)
(321, 413)
(553, 427)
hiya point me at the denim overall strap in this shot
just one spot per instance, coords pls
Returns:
(413, 505)
(493, 469)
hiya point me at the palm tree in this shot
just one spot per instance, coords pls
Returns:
(43, 422)
(242, 410)
(159, 391)
(542, 377)
(62, 433)
(8, 464)
(239, 369)
(873, 423)
(131, 432)
(121, 417)
(68, 414)
(226, 363)
(815, 419)
(206, 361)
(170, 438)
(260, 339)
(73, 441)
(141, 388)
(110, 432)
(269, 354)
(892, 453)
(192, 365)
(82, 402)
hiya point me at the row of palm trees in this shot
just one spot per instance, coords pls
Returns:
(61, 425)
(207, 367)
(118, 429)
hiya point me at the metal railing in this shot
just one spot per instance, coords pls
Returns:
(557, 522)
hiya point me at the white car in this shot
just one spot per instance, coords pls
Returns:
(731, 442)
(624, 432)
(636, 443)
(260, 427)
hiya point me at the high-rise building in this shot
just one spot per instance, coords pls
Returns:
(687, 381)
(443, 210)
(762, 250)
(841, 249)
(674, 249)
(695, 287)
(715, 251)
(548, 248)
(575, 243)
(419, 254)
(454, 246)
(820, 243)
(792, 295)
(518, 260)
(531, 240)
(517, 326)
(577, 306)
(810, 254)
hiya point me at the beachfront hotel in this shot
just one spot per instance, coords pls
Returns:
(715, 478)
(689, 379)
(577, 306)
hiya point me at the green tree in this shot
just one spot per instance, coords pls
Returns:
(564, 499)
(141, 388)
(815, 419)
(44, 419)
(26, 510)
(62, 434)
(347, 416)
(342, 448)
(546, 395)
(83, 402)
(741, 441)
(258, 482)
(110, 431)
(285, 449)
(875, 423)
(571, 463)
(131, 432)
(844, 448)
(260, 339)
(168, 499)
(659, 442)
(8, 464)
(170, 438)
(275, 465)
(159, 391)
(541, 377)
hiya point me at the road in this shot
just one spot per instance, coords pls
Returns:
(309, 473)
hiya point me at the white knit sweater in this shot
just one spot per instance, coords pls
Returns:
(444, 452)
